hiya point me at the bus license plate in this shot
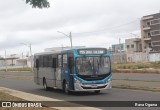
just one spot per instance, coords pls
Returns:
(94, 86)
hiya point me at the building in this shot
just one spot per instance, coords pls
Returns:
(117, 48)
(15, 61)
(133, 45)
(118, 54)
(150, 32)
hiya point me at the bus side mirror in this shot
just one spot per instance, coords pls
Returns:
(54, 63)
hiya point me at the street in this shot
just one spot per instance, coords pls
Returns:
(113, 95)
(145, 76)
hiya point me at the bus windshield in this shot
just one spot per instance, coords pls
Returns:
(93, 65)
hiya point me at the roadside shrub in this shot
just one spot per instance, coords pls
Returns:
(17, 69)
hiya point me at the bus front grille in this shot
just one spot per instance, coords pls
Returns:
(98, 87)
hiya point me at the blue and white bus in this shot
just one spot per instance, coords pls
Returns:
(85, 69)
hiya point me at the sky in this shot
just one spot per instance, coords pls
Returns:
(93, 23)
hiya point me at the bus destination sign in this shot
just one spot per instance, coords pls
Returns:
(92, 51)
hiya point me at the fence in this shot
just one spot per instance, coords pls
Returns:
(118, 58)
(115, 58)
(138, 57)
(154, 57)
(135, 58)
(15, 62)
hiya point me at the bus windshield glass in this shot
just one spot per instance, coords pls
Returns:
(93, 65)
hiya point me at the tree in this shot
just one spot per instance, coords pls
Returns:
(38, 3)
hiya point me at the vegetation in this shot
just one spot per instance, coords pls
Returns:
(156, 65)
(137, 88)
(6, 97)
(38, 3)
(17, 69)
(137, 67)
(120, 67)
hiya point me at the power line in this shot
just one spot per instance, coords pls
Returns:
(107, 29)
(97, 31)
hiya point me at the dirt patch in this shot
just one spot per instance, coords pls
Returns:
(7, 97)
(139, 71)
(16, 77)
(33, 97)
(137, 88)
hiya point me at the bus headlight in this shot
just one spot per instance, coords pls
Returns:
(108, 80)
(77, 81)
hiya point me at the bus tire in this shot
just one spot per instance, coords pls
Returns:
(45, 85)
(65, 88)
(97, 91)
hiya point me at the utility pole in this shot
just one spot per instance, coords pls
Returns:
(5, 61)
(62, 46)
(22, 55)
(30, 49)
(71, 39)
(120, 50)
(69, 36)
(137, 47)
(31, 58)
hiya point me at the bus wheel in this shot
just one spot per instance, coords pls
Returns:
(97, 91)
(45, 85)
(65, 88)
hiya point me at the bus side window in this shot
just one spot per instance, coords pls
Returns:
(59, 60)
(65, 62)
(41, 61)
(44, 61)
(37, 63)
(50, 62)
(54, 63)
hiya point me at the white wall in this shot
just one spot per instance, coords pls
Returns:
(154, 57)
(137, 57)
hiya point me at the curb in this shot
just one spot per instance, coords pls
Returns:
(33, 97)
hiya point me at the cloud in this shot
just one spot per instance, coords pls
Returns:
(92, 22)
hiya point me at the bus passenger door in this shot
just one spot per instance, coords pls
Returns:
(71, 74)
(58, 72)
(54, 71)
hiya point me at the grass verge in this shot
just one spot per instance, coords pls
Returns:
(6, 97)
(16, 77)
(17, 69)
(136, 67)
(135, 80)
(137, 88)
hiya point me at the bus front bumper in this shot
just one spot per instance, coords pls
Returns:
(92, 87)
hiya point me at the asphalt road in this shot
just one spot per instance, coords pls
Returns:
(148, 77)
(113, 95)
(136, 76)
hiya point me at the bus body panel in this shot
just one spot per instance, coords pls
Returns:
(46, 73)
(93, 85)
(56, 76)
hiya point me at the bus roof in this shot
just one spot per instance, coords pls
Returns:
(61, 51)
